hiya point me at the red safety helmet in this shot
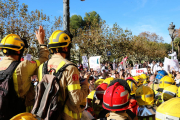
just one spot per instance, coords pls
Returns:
(116, 98)
(100, 90)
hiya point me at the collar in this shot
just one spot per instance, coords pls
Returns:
(57, 56)
(8, 58)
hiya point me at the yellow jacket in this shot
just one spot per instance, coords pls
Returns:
(69, 85)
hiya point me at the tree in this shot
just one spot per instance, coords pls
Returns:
(92, 19)
(18, 20)
(76, 22)
(177, 44)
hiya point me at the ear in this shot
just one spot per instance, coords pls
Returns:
(65, 49)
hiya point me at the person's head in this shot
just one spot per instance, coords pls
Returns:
(91, 80)
(144, 95)
(160, 64)
(12, 45)
(60, 43)
(129, 75)
(106, 64)
(152, 78)
(116, 96)
(82, 73)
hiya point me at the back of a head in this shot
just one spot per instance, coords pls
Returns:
(12, 44)
(165, 82)
(58, 40)
(116, 96)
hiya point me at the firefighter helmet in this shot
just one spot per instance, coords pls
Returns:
(169, 110)
(144, 95)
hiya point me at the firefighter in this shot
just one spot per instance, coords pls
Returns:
(13, 47)
(70, 86)
(145, 99)
(116, 100)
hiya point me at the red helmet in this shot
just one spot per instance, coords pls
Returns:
(116, 98)
(100, 90)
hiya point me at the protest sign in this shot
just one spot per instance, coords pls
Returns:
(84, 61)
(94, 62)
(136, 72)
(171, 64)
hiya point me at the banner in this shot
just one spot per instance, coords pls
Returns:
(94, 62)
(139, 71)
(84, 61)
(171, 64)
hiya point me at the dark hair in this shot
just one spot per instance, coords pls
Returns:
(90, 78)
(56, 50)
(9, 52)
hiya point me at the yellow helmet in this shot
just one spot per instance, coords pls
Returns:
(165, 82)
(108, 80)
(59, 39)
(178, 92)
(98, 82)
(25, 116)
(138, 80)
(169, 92)
(144, 95)
(132, 85)
(169, 110)
(91, 94)
(145, 78)
(13, 42)
(170, 75)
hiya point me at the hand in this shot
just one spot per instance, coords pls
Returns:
(40, 34)
(85, 82)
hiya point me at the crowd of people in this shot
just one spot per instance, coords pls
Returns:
(56, 89)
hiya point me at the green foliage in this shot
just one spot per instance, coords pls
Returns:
(92, 36)
(76, 22)
(16, 19)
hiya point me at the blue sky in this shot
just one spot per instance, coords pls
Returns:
(135, 15)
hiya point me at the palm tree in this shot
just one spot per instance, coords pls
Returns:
(177, 43)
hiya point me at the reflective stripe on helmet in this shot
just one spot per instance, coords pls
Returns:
(162, 116)
(131, 86)
(57, 37)
(99, 92)
(168, 82)
(168, 92)
(150, 95)
(74, 87)
(124, 93)
(18, 39)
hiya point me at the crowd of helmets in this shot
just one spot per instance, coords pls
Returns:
(148, 97)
